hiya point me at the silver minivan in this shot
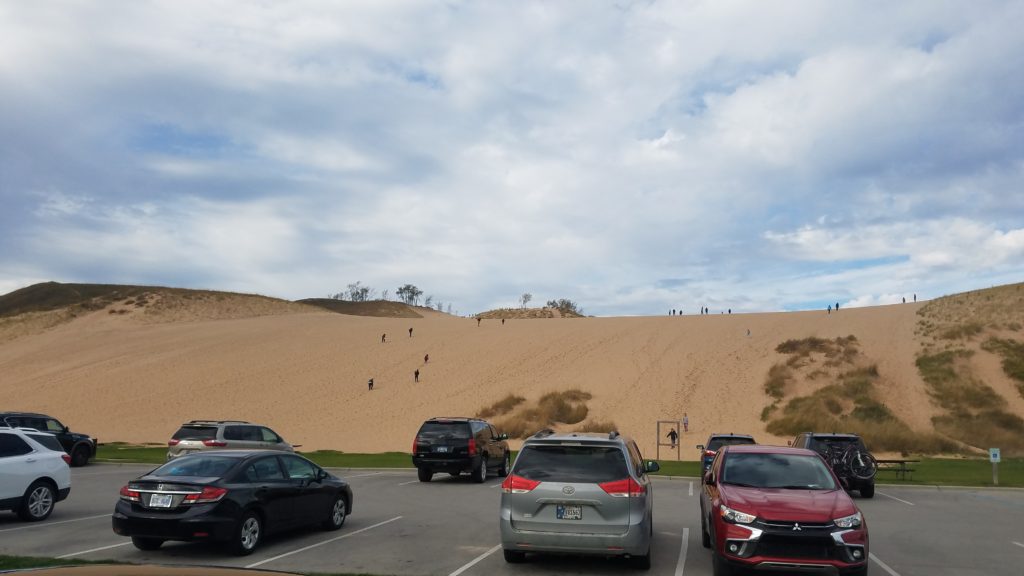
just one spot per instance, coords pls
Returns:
(578, 494)
(198, 435)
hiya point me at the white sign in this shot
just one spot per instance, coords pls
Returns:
(993, 455)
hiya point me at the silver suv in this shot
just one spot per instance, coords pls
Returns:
(199, 435)
(578, 494)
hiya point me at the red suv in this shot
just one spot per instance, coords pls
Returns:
(772, 507)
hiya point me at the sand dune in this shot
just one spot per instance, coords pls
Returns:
(304, 373)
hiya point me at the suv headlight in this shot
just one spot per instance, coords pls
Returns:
(736, 516)
(851, 521)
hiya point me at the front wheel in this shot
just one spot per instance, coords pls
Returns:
(247, 535)
(719, 567)
(37, 504)
(147, 543)
(338, 513)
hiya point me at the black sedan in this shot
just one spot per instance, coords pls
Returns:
(233, 496)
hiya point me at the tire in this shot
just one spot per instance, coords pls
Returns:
(719, 567)
(862, 465)
(514, 556)
(867, 491)
(337, 514)
(455, 474)
(147, 543)
(424, 474)
(480, 471)
(248, 533)
(506, 465)
(705, 538)
(79, 456)
(858, 572)
(37, 504)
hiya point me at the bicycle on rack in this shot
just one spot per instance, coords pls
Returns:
(846, 455)
(851, 461)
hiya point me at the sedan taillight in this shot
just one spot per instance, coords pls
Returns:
(129, 494)
(209, 494)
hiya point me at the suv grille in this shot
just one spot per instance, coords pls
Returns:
(813, 548)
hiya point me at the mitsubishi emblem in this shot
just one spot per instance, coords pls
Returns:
(796, 527)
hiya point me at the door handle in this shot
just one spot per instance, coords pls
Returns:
(30, 459)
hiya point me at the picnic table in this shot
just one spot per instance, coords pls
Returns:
(903, 468)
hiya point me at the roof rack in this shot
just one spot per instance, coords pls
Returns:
(218, 422)
(544, 433)
(613, 434)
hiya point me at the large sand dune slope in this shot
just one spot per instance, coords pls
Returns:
(304, 371)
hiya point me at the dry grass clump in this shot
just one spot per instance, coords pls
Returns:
(951, 384)
(1012, 352)
(501, 407)
(597, 426)
(779, 376)
(566, 407)
(985, 429)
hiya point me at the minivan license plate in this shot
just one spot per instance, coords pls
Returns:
(568, 512)
(160, 501)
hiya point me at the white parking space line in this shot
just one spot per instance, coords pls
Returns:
(681, 564)
(95, 549)
(894, 498)
(45, 524)
(310, 547)
(690, 493)
(883, 565)
(498, 485)
(1018, 544)
(409, 482)
(365, 475)
(474, 561)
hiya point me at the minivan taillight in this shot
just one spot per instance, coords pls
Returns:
(209, 494)
(173, 442)
(623, 488)
(709, 453)
(214, 443)
(472, 447)
(518, 485)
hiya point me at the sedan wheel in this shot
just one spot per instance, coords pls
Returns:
(37, 503)
(338, 514)
(248, 535)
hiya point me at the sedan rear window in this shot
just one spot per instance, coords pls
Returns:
(215, 466)
(196, 433)
(571, 464)
(717, 443)
(444, 430)
(777, 471)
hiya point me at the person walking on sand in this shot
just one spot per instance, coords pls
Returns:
(673, 436)
(829, 308)
(477, 322)
(370, 384)
(502, 321)
(416, 375)
(915, 297)
(426, 358)
(837, 306)
(904, 299)
(686, 422)
(383, 338)
(410, 332)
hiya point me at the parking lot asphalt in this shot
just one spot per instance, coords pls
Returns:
(450, 527)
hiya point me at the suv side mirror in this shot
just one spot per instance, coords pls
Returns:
(651, 466)
(700, 446)
(789, 443)
(503, 436)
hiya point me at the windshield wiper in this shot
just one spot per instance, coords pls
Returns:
(800, 487)
(740, 484)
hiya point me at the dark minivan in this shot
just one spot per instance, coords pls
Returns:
(457, 445)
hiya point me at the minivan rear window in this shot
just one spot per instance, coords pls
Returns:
(595, 464)
(444, 430)
(196, 433)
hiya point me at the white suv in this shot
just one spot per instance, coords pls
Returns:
(34, 475)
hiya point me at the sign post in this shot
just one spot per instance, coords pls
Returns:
(993, 457)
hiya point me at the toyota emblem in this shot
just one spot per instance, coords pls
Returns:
(568, 490)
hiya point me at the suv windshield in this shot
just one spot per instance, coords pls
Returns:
(196, 433)
(717, 443)
(777, 471)
(196, 466)
(444, 430)
(571, 464)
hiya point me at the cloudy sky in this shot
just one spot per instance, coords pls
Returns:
(633, 157)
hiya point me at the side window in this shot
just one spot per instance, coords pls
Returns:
(234, 433)
(268, 435)
(638, 460)
(12, 445)
(36, 423)
(53, 426)
(263, 470)
(298, 468)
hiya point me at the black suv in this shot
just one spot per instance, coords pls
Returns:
(80, 446)
(716, 441)
(848, 457)
(457, 445)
